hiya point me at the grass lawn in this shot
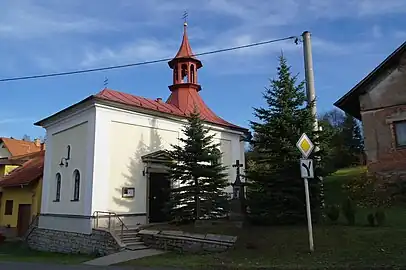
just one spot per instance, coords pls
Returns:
(334, 194)
(287, 247)
(16, 251)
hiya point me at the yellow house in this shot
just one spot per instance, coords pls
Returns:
(10, 148)
(21, 193)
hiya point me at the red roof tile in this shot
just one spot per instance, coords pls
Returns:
(185, 50)
(183, 100)
(19, 147)
(30, 171)
(172, 105)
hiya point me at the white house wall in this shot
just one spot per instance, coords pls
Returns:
(122, 137)
(4, 153)
(78, 131)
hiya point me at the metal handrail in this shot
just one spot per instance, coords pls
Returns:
(109, 215)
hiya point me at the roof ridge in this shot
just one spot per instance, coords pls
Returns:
(166, 107)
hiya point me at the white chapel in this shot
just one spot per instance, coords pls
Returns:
(104, 153)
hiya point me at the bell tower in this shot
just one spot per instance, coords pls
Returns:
(185, 67)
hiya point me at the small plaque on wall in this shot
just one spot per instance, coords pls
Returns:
(128, 192)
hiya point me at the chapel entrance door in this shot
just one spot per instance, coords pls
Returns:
(159, 190)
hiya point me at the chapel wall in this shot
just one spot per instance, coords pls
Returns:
(122, 138)
(77, 132)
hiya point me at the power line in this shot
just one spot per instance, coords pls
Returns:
(141, 63)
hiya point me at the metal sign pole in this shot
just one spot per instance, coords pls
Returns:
(309, 215)
(305, 145)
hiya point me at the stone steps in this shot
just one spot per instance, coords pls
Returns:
(131, 239)
(125, 233)
(136, 247)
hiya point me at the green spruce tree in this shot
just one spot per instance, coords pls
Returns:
(276, 191)
(198, 177)
(352, 141)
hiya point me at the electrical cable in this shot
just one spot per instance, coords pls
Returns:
(141, 63)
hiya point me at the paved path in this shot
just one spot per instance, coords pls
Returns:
(45, 266)
(124, 256)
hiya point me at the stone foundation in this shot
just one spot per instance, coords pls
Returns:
(100, 242)
(187, 242)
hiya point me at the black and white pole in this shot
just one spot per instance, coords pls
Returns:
(305, 145)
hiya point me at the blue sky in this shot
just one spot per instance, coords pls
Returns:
(349, 38)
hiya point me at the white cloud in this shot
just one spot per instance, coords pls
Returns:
(400, 34)
(4, 121)
(138, 51)
(377, 31)
(335, 48)
(126, 31)
(354, 8)
(25, 20)
(375, 7)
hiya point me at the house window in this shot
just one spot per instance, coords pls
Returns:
(58, 187)
(9, 207)
(400, 133)
(76, 189)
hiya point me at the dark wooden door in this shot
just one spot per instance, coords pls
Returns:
(24, 216)
(159, 190)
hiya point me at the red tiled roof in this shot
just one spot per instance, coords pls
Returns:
(185, 50)
(30, 171)
(19, 147)
(171, 106)
(183, 100)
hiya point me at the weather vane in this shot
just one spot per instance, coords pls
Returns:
(184, 17)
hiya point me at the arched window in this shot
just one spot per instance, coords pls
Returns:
(175, 75)
(76, 188)
(192, 73)
(68, 157)
(58, 187)
(217, 153)
(184, 74)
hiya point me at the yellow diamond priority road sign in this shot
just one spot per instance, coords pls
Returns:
(305, 145)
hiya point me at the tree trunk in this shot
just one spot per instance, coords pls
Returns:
(197, 198)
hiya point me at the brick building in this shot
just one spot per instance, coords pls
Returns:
(379, 101)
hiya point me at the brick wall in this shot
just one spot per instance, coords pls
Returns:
(380, 140)
(383, 102)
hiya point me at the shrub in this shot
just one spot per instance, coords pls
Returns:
(371, 219)
(380, 217)
(349, 210)
(366, 192)
(396, 188)
(333, 212)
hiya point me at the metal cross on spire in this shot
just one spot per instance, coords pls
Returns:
(106, 82)
(185, 16)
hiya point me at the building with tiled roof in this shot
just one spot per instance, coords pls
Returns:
(21, 192)
(379, 101)
(10, 148)
(105, 153)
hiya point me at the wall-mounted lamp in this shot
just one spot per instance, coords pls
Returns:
(64, 160)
